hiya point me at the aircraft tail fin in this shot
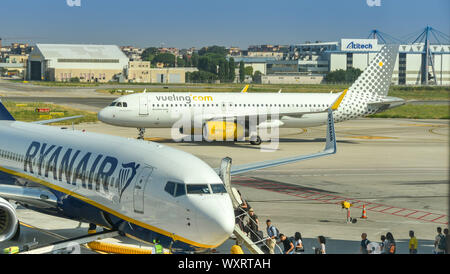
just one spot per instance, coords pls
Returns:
(376, 78)
(4, 113)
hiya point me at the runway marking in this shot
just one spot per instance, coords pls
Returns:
(300, 192)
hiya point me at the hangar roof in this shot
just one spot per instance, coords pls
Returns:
(73, 51)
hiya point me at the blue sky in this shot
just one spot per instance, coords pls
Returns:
(186, 23)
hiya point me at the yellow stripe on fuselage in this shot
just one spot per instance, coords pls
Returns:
(102, 207)
(339, 100)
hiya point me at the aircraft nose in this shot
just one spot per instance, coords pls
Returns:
(103, 115)
(225, 221)
(217, 222)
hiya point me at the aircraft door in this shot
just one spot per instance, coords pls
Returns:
(143, 104)
(139, 189)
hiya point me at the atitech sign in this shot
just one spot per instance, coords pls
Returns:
(359, 44)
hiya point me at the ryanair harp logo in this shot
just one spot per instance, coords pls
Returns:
(126, 176)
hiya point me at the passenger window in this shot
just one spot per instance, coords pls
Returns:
(170, 188)
(181, 190)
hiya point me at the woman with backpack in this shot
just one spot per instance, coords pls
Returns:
(298, 243)
(390, 245)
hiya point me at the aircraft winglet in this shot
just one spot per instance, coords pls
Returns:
(330, 148)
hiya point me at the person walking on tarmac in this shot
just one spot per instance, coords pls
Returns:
(439, 242)
(364, 243)
(298, 243)
(412, 243)
(272, 232)
(158, 247)
(287, 244)
(390, 245)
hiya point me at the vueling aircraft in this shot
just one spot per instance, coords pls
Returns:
(142, 189)
(367, 95)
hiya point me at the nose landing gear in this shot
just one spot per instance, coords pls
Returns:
(141, 133)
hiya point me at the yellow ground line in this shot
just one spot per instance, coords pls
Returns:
(372, 137)
(423, 125)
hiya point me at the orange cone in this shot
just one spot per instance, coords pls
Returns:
(364, 214)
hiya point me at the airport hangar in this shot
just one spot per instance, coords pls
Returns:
(95, 63)
(89, 63)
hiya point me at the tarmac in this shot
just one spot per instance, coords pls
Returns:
(397, 168)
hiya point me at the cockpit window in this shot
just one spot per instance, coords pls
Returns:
(180, 191)
(175, 189)
(218, 188)
(124, 104)
(113, 104)
(170, 188)
(197, 189)
(119, 104)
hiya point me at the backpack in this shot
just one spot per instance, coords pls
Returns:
(391, 247)
(442, 245)
(278, 233)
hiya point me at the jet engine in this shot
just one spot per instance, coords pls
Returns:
(218, 131)
(222, 131)
(8, 221)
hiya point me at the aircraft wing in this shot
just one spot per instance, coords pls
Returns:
(43, 122)
(330, 148)
(32, 196)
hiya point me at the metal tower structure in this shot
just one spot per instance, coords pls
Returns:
(427, 56)
(380, 36)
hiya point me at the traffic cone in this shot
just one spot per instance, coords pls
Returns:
(364, 214)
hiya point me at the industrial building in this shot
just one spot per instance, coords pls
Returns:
(88, 63)
(141, 72)
(418, 62)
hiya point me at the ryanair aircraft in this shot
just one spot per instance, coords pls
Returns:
(367, 95)
(145, 190)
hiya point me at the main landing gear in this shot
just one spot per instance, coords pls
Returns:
(255, 140)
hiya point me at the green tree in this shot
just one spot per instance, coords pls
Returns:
(343, 76)
(248, 71)
(167, 58)
(241, 71)
(181, 62)
(222, 51)
(149, 53)
(257, 77)
(194, 59)
(200, 77)
(231, 68)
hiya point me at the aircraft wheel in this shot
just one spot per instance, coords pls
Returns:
(257, 141)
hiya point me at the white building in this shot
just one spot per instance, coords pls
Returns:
(88, 63)
(410, 64)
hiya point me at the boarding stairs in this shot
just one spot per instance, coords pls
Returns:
(241, 236)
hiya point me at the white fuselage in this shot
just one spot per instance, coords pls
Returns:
(153, 110)
(164, 110)
(126, 179)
